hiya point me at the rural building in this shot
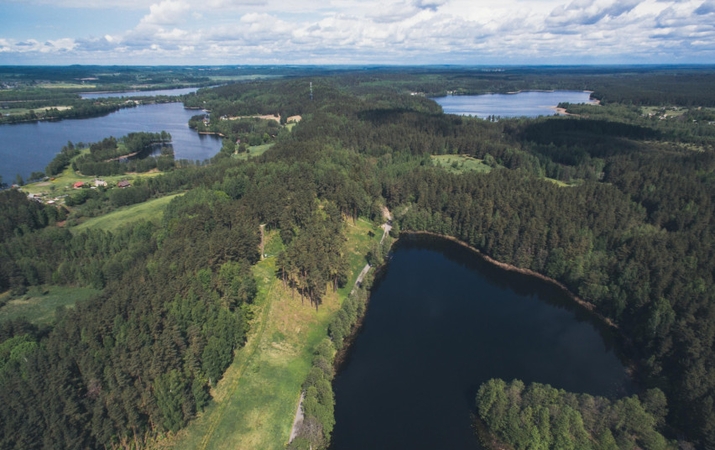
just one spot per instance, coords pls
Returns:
(123, 184)
(78, 185)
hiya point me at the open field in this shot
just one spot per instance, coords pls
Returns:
(255, 402)
(256, 150)
(151, 210)
(563, 183)
(20, 111)
(62, 183)
(460, 163)
(670, 111)
(67, 86)
(40, 303)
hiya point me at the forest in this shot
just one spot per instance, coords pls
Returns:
(612, 202)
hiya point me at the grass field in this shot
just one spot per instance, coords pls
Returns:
(460, 163)
(39, 304)
(671, 111)
(62, 183)
(563, 183)
(255, 402)
(255, 150)
(67, 86)
(20, 111)
(152, 210)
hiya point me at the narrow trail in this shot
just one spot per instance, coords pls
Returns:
(298, 420)
(386, 227)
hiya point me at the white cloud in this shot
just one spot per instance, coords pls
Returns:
(402, 31)
(168, 12)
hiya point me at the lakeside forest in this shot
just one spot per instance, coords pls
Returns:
(613, 201)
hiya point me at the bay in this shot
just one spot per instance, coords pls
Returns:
(29, 147)
(441, 321)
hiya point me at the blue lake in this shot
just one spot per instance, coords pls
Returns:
(29, 147)
(522, 104)
(168, 92)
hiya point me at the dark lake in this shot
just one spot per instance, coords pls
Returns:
(29, 147)
(441, 321)
(526, 104)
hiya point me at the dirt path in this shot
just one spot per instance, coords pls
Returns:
(386, 227)
(298, 420)
(360, 277)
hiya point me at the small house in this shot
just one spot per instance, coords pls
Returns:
(78, 185)
(123, 184)
(99, 182)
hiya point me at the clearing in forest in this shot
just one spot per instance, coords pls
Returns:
(151, 210)
(40, 303)
(460, 163)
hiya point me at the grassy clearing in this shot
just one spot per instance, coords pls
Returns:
(21, 111)
(254, 151)
(62, 183)
(255, 402)
(40, 303)
(360, 242)
(460, 163)
(67, 86)
(151, 210)
(669, 111)
(563, 183)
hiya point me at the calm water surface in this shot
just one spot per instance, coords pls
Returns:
(169, 92)
(29, 147)
(527, 104)
(440, 323)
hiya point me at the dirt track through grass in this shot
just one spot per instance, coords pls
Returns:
(254, 404)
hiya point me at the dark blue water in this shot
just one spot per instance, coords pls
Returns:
(168, 92)
(527, 104)
(29, 147)
(439, 324)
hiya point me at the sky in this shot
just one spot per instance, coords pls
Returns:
(399, 32)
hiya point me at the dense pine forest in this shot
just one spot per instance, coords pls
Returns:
(612, 201)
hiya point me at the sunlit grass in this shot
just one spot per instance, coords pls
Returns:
(39, 304)
(151, 210)
(460, 163)
(255, 150)
(255, 402)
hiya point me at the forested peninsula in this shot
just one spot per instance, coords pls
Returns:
(615, 202)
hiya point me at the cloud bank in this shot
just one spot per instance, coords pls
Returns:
(383, 32)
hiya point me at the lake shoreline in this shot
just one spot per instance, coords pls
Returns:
(352, 355)
(627, 349)
(590, 307)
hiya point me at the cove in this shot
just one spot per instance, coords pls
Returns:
(441, 321)
(29, 147)
(521, 104)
